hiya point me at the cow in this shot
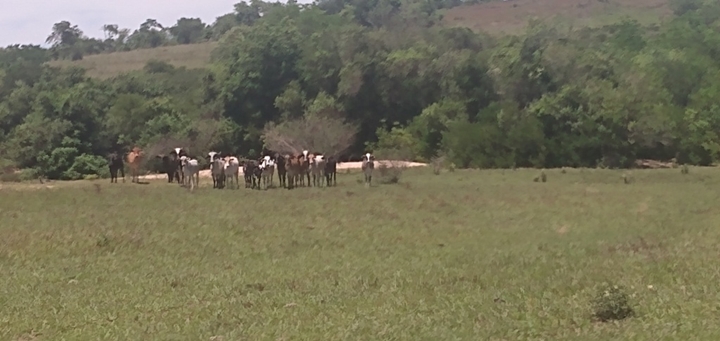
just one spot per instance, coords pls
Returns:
(217, 169)
(115, 163)
(249, 170)
(171, 165)
(317, 167)
(294, 170)
(191, 170)
(331, 171)
(305, 169)
(179, 175)
(134, 158)
(232, 168)
(267, 165)
(281, 169)
(257, 174)
(368, 164)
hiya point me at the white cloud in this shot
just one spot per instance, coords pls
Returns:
(31, 21)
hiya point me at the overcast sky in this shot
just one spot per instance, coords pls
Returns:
(31, 21)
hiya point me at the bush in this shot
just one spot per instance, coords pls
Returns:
(438, 164)
(87, 164)
(611, 303)
(389, 174)
(10, 177)
(393, 165)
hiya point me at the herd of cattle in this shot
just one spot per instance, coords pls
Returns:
(292, 169)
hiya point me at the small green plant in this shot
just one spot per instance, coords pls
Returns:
(542, 177)
(684, 169)
(611, 303)
(627, 178)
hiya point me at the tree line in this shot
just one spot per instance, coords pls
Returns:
(70, 42)
(409, 86)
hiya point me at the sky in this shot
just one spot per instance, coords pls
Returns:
(31, 21)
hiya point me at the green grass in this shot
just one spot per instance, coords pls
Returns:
(466, 255)
(108, 65)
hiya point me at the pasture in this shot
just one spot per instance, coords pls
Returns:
(511, 17)
(465, 255)
(108, 65)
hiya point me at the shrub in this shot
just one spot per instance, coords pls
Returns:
(611, 303)
(87, 164)
(393, 165)
(438, 164)
(10, 177)
(389, 172)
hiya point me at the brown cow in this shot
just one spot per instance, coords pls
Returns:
(294, 170)
(133, 159)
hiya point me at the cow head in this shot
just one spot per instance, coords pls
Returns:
(211, 156)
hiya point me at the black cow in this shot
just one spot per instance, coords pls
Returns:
(331, 171)
(281, 169)
(171, 166)
(115, 163)
(249, 169)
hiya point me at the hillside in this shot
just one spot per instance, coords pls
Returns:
(512, 16)
(111, 64)
(496, 17)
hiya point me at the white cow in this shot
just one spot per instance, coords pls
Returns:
(191, 171)
(268, 169)
(305, 170)
(317, 169)
(368, 164)
(232, 170)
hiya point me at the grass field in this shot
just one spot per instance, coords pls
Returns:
(107, 65)
(511, 17)
(467, 255)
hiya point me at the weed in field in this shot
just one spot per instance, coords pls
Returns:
(611, 303)
(684, 169)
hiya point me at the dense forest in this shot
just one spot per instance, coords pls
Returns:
(549, 97)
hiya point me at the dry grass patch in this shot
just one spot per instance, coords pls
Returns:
(192, 56)
(503, 17)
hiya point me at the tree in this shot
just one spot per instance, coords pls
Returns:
(64, 34)
(111, 31)
(326, 133)
(188, 30)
